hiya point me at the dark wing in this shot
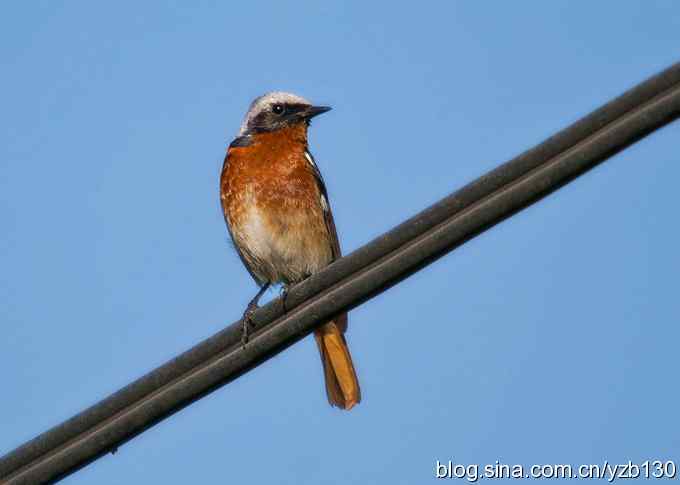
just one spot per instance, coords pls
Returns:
(340, 320)
(241, 141)
(325, 205)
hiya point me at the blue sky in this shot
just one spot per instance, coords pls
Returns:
(551, 338)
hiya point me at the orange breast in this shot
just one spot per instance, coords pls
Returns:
(272, 203)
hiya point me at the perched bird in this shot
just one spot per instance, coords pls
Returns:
(278, 215)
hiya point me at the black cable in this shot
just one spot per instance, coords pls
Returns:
(348, 282)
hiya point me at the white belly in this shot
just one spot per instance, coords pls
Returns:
(286, 248)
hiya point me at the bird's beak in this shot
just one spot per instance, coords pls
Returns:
(313, 111)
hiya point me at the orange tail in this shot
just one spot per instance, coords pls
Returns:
(342, 385)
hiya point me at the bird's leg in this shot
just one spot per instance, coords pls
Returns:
(248, 314)
(284, 295)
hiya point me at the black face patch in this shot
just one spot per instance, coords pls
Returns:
(274, 118)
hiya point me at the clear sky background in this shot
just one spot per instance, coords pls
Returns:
(552, 338)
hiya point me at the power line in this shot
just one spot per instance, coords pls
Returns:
(348, 282)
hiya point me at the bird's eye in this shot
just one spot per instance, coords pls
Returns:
(278, 109)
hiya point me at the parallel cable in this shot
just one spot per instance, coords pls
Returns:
(348, 282)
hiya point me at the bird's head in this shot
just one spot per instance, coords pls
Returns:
(276, 110)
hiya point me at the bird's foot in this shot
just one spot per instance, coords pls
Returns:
(247, 323)
(284, 297)
(248, 314)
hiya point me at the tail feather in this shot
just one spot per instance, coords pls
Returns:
(342, 385)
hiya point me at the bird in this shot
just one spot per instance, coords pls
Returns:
(278, 215)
